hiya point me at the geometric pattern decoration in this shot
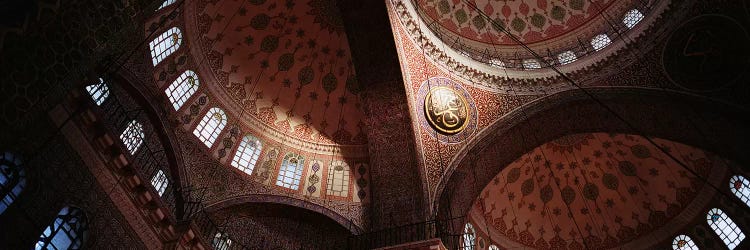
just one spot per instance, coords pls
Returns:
(362, 182)
(165, 44)
(99, 92)
(600, 41)
(247, 154)
(182, 88)
(740, 186)
(133, 136)
(291, 171)
(313, 179)
(683, 242)
(268, 167)
(211, 126)
(566, 57)
(67, 231)
(12, 179)
(615, 187)
(338, 179)
(447, 109)
(632, 18)
(725, 228)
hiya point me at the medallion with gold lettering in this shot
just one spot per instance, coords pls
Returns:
(446, 110)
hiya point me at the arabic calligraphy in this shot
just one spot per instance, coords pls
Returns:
(446, 110)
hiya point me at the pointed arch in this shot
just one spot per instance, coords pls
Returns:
(99, 92)
(12, 179)
(182, 88)
(165, 44)
(211, 126)
(338, 179)
(725, 228)
(291, 171)
(683, 242)
(67, 231)
(133, 136)
(469, 237)
(740, 186)
(247, 154)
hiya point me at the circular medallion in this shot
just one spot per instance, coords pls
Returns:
(707, 53)
(447, 108)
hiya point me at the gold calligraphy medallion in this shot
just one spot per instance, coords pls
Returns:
(446, 110)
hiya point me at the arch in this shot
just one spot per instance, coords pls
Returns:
(291, 171)
(67, 231)
(683, 242)
(469, 237)
(166, 3)
(288, 201)
(600, 41)
(632, 18)
(211, 126)
(658, 113)
(98, 92)
(165, 44)
(740, 186)
(725, 228)
(133, 136)
(221, 241)
(338, 179)
(160, 182)
(12, 179)
(247, 154)
(182, 88)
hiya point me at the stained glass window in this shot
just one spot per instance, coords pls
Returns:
(166, 3)
(165, 44)
(632, 18)
(291, 171)
(338, 179)
(160, 182)
(221, 241)
(725, 228)
(531, 64)
(99, 92)
(566, 57)
(600, 41)
(133, 136)
(182, 88)
(211, 126)
(67, 231)
(683, 242)
(740, 186)
(469, 237)
(493, 247)
(12, 179)
(497, 63)
(247, 154)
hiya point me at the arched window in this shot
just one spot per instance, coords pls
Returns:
(493, 247)
(165, 44)
(683, 242)
(12, 179)
(531, 64)
(291, 171)
(566, 57)
(247, 154)
(469, 237)
(338, 179)
(99, 92)
(741, 188)
(600, 41)
(133, 136)
(160, 182)
(211, 126)
(632, 18)
(166, 3)
(725, 228)
(67, 231)
(221, 241)
(182, 89)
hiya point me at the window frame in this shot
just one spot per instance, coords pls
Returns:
(14, 175)
(291, 172)
(99, 92)
(344, 180)
(689, 243)
(133, 136)
(246, 156)
(182, 89)
(208, 132)
(725, 228)
(69, 219)
(159, 50)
